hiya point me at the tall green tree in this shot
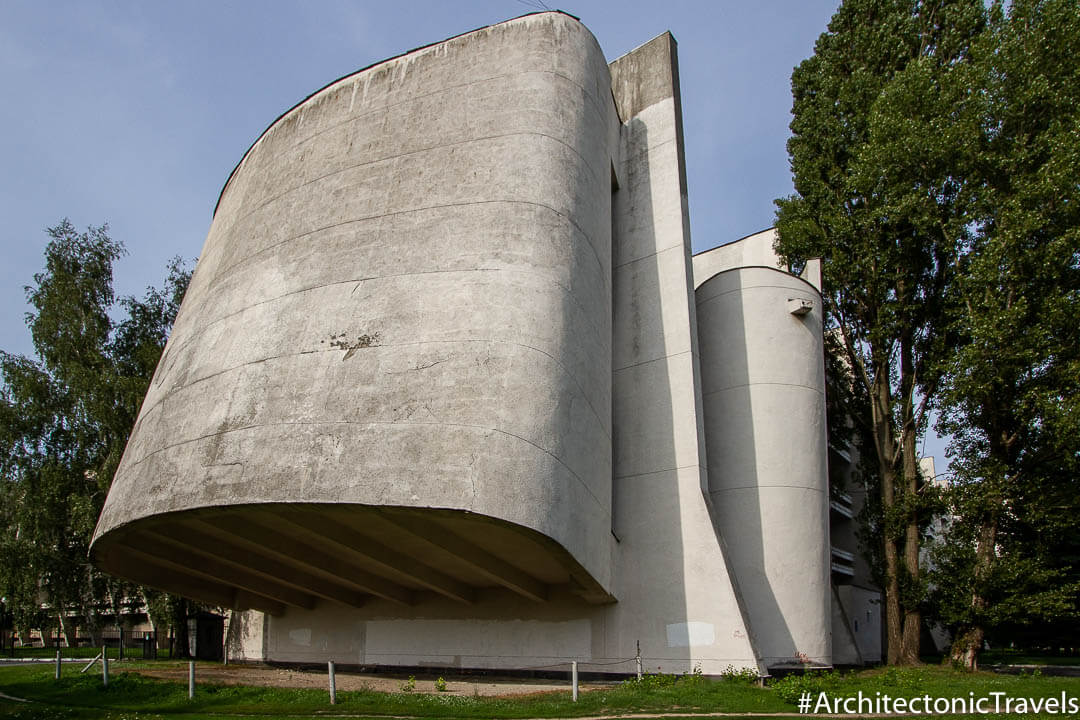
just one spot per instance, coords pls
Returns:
(877, 112)
(1011, 396)
(65, 416)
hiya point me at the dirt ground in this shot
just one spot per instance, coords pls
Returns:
(263, 675)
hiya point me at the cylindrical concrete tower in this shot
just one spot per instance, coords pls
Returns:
(392, 370)
(766, 444)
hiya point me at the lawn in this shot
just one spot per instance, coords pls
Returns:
(1017, 657)
(131, 696)
(128, 692)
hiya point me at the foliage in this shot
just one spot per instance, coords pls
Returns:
(440, 684)
(660, 680)
(64, 420)
(935, 151)
(791, 687)
(1011, 400)
(894, 681)
(409, 685)
(876, 116)
(745, 675)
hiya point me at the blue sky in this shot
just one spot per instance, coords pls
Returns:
(134, 112)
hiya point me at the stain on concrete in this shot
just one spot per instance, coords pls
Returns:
(350, 347)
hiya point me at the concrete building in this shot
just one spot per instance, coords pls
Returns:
(447, 388)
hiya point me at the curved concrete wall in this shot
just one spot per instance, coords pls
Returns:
(766, 443)
(405, 300)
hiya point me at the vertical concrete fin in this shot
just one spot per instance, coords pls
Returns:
(812, 273)
(671, 564)
(645, 76)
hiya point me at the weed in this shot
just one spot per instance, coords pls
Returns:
(791, 687)
(654, 681)
(440, 685)
(409, 685)
(660, 680)
(745, 675)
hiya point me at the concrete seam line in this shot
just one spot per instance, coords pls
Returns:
(766, 487)
(205, 327)
(418, 151)
(386, 423)
(259, 361)
(369, 218)
(756, 384)
(676, 246)
(646, 362)
(381, 108)
(743, 288)
(659, 472)
(441, 91)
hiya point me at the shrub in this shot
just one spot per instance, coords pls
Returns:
(744, 675)
(791, 687)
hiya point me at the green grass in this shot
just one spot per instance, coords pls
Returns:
(934, 681)
(133, 697)
(1019, 657)
(129, 692)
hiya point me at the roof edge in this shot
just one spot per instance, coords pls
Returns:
(278, 119)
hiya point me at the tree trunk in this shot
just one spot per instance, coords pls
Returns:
(881, 402)
(966, 646)
(912, 632)
(158, 616)
(181, 647)
(893, 624)
(69, 630)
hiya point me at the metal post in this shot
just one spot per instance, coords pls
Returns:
(333, 684)
(573, 677)
(57, 664)
(191, 680)
(638, 660)
(104, 668)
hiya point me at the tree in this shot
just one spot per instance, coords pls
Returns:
(65, 417)
(1011, 395)
(876, 116)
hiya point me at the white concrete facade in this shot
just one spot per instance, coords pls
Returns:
(448, 390)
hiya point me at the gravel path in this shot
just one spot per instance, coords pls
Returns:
(263, 675)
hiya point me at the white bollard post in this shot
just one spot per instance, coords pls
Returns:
(57, 664)
(104, 668)
(573, 677)
(638, 661)
(191, 680)
(333, 684)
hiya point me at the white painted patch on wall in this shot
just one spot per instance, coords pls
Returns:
(426, 638)
(301, 636)
(691, 634)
